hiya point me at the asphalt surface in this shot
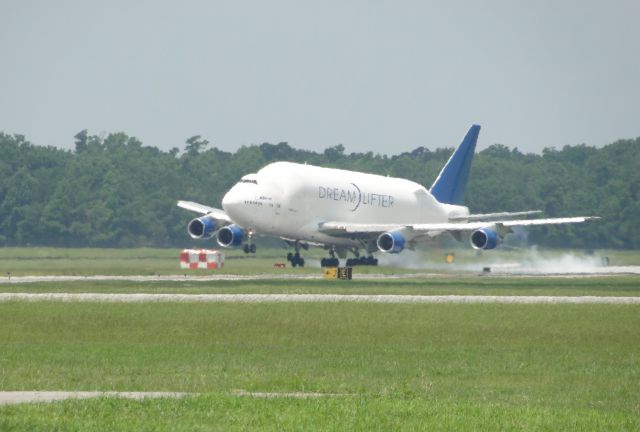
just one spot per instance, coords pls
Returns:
(309, 298)
(497, 271)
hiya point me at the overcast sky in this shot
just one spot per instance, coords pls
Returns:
(381, 76)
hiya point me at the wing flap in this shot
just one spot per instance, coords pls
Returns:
(349, 228)
(487, 216)
(471, 226)
(550, 221)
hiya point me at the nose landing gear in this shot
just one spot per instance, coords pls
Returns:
(249, 248)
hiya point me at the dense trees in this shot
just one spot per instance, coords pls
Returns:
(116, 192)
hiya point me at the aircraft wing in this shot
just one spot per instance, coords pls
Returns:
(433, 229)
(215, 213)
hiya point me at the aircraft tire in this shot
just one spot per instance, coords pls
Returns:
(252, 248)
(330, 262)
(296, 260)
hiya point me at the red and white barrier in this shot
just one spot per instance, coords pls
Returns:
(201, 259)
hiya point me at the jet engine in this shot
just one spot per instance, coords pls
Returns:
(484, 238)
(202, 227)
(391, 242)
(230, 235)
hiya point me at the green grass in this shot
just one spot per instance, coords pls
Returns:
(362, 413)
(441, 366)
(430, 367)
(428, 285)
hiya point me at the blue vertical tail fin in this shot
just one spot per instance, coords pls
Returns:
(451, 183)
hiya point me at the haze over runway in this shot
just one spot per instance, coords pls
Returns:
(385, 77)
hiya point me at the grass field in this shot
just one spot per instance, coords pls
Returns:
(397, 366)
(389, 366)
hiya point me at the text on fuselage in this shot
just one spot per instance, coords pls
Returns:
(355, 197)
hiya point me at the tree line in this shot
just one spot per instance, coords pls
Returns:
(114, 191)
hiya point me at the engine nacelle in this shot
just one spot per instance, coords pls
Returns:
(230, 235)
(202, 227)
(484, 238)
(391, 242)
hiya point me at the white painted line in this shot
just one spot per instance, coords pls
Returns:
(17, 397)
(295, 395)
(309, 298)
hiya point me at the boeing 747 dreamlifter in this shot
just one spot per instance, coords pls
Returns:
(347, 211)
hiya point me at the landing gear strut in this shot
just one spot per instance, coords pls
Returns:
(249, 246)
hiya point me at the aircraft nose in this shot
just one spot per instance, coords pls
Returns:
(230, 200)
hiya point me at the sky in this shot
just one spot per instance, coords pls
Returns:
(380, 76)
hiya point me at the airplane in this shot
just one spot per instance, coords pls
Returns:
(347, 211)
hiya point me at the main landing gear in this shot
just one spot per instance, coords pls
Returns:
(362, 261)
(332, 261)
(295, 259)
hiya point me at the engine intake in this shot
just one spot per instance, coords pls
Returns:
(484, 238)
(231, 235)
(202, 227)
(391, 242)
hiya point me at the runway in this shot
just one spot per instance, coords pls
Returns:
(157, 278)
(309, 298)
(496, 271)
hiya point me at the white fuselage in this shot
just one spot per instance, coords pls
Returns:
(291, 200)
